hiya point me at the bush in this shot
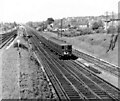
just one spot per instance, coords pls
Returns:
(74, 33)
(100, 30)
(118, 28)
(112, 29)
(86, 31)
(97, 25)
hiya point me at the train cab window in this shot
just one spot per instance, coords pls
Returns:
(69, 47)
(62, 47)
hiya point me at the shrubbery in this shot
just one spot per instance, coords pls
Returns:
(73, 33)
(86, 31)
(100, 30)
(97, 25)
(112, 29)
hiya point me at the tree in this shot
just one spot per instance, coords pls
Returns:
(50, 20)
(15, 24)
(97, 25)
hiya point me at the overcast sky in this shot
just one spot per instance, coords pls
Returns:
(38, 10)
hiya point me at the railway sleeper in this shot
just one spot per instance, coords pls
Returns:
(95, 89)
(109, 89)
(75, 82)
(98, 81)
(69, 89)
(87, 93)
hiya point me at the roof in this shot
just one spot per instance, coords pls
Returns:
(58, 41)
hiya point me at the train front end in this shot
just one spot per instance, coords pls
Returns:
(67, 50)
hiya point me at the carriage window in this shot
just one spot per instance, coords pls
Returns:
(62, 47)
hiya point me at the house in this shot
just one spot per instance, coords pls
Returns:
(50, 27)
(83, 25)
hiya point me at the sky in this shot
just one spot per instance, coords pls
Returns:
(38, 10)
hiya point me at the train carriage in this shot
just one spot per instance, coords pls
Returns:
(60, 47)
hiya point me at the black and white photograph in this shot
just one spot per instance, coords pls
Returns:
(59, 50)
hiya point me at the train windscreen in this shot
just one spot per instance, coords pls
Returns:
(62, 47)
(69, 47)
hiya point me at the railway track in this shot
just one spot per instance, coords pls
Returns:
(107, 87)
(65, 91)
(115, 70)
(7, 38)
(100, 87)
(72, 80)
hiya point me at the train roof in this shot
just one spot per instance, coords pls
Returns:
(54, 39)
(58, 41)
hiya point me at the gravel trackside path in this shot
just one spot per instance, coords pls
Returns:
(22, 76)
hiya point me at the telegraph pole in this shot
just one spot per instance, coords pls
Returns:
(106, 20)
(112, 18)
(61, 27)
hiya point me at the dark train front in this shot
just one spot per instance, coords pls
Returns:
(60, 47)
(66, 50)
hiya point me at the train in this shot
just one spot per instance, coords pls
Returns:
(58, 46)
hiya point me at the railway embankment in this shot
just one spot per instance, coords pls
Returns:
(21, 74)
